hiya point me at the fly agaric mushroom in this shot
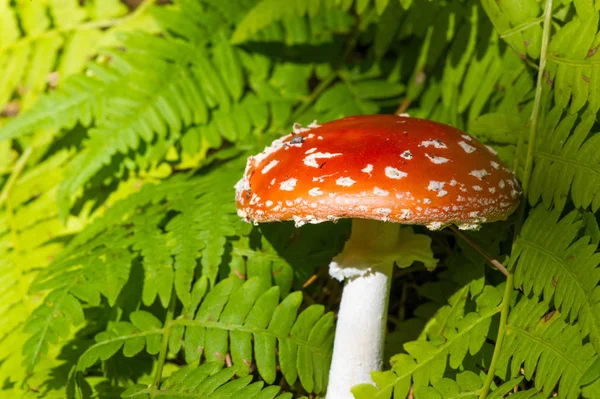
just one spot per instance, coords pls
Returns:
(375, 169)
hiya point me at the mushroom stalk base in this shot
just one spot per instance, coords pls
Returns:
(359, 336)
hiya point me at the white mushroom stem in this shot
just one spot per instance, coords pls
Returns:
(366, 265)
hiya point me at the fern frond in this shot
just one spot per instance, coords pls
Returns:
(566, 162)
(242, 320)
(97, 262)
(250, 314)
(208, 381)
(544, 344)
(518, 23)
(554, 260)
(572, 61)
(55, 37)
(267, 12)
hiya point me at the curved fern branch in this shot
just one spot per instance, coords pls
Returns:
(551, 259)
(237, 320)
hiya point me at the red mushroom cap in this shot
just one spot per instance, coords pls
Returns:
(385, 167)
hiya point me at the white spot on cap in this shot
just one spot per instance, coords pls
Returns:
(394, 173)
(311, 150)
(468, 148)
(492, 190)
(383, 211)
(405, 213)
(495, 165)
(473, 214)
(437, 160)
(269, 203)
(255, 198)
(362, 208)
(479, 173)
(468, 226)
(242, 213)
(437, 186)
(453, 182)
(345, 181)
(435, 225)
(434, 143)
(314, 124)
(367, 169)
(311, 160)
(315, 192)
(270, 166)
(272, 181)
(380, 192)
(288, 185)
(426, 201)
(501, 184)
(477, 188)
(466, 137)
(490, 149)
(406, 155)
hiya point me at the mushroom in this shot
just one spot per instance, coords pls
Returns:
(375, 169)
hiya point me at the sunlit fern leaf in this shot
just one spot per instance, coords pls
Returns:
(157, 260)
(268, 12)
(81, 99)
(465, 384)
(426, 361)
(209, 381)
(44, 42)
(553, 259)
(549, 350)
(30, 237)
(144, 112)
(97, 261)
(242, 320)
(566, 161)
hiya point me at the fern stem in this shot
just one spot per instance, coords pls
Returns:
(18, 168)
(537, 105)
(325, 83)
(322, 86)
(164, 345)
(500, 338)
(535, 114)
(476, 247)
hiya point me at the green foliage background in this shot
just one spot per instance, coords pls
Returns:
(125, 271)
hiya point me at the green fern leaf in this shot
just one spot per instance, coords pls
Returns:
(552, 259)
(41, 39)
(544, 344)
(207, 381)
(566, 162)
(158, 270)
(248, 312)
(144, 330)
